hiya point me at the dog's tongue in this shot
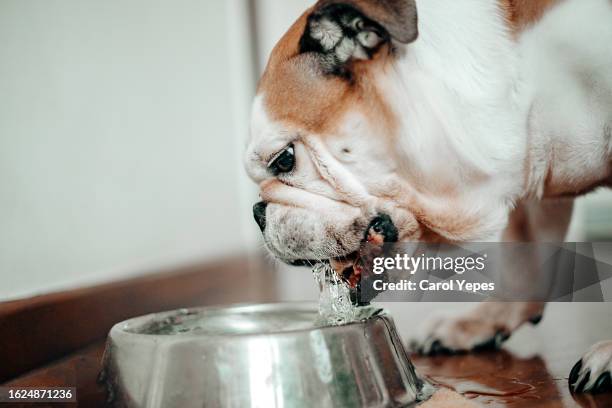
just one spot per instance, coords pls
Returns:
(351, 267)
(348, 267)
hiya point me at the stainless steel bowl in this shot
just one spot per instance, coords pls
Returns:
(277, 355)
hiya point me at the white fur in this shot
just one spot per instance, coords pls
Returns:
(459, 132)
(483, 120)
(324, 205)
(566, 67)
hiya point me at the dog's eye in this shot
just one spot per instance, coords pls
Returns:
(283, 162)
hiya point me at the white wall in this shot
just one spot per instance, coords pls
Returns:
(121, 127)
(274, 17)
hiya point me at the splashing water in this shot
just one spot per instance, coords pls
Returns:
(335, 306)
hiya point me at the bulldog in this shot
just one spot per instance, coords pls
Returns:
(435, 121)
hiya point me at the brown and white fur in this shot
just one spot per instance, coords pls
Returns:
(461, 120)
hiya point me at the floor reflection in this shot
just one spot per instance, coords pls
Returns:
(538, 356)
(493, 378)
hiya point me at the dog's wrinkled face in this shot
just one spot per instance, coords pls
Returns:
(357, 125)
(322, 135)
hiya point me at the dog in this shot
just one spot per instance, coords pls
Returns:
(435, 121)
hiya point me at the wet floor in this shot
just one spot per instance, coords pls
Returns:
(533, 367)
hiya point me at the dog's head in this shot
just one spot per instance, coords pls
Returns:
(324, 135)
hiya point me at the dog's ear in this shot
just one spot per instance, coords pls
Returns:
(398, 17)
(341, 30)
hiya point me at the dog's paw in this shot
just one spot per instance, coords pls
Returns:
(460, 334)
(593, 372)
(485, 327)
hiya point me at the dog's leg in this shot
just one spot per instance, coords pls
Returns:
(593, 372)
(484, 327)
(489, 324)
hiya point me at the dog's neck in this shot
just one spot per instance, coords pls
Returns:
(454, 93)
(471, 110)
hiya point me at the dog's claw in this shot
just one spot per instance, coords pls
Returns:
(536, 320)
(494, 343)
(593, 372)
(583, 382)
(573, 377)
(603, 383)
(436, 347)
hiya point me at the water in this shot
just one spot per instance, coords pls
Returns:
(228, 321)
(252, 319)
(335, 305)
(335, 308)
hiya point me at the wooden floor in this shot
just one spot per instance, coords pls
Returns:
(530, 371)
(533, 367)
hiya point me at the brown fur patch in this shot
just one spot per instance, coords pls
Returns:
(523, 13)
(518, 229)
(297, 93)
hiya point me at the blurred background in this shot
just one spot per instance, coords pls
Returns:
(122, 127)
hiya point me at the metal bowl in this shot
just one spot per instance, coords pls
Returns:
(277, 355)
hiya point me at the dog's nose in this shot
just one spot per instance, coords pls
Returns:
(259, 213)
